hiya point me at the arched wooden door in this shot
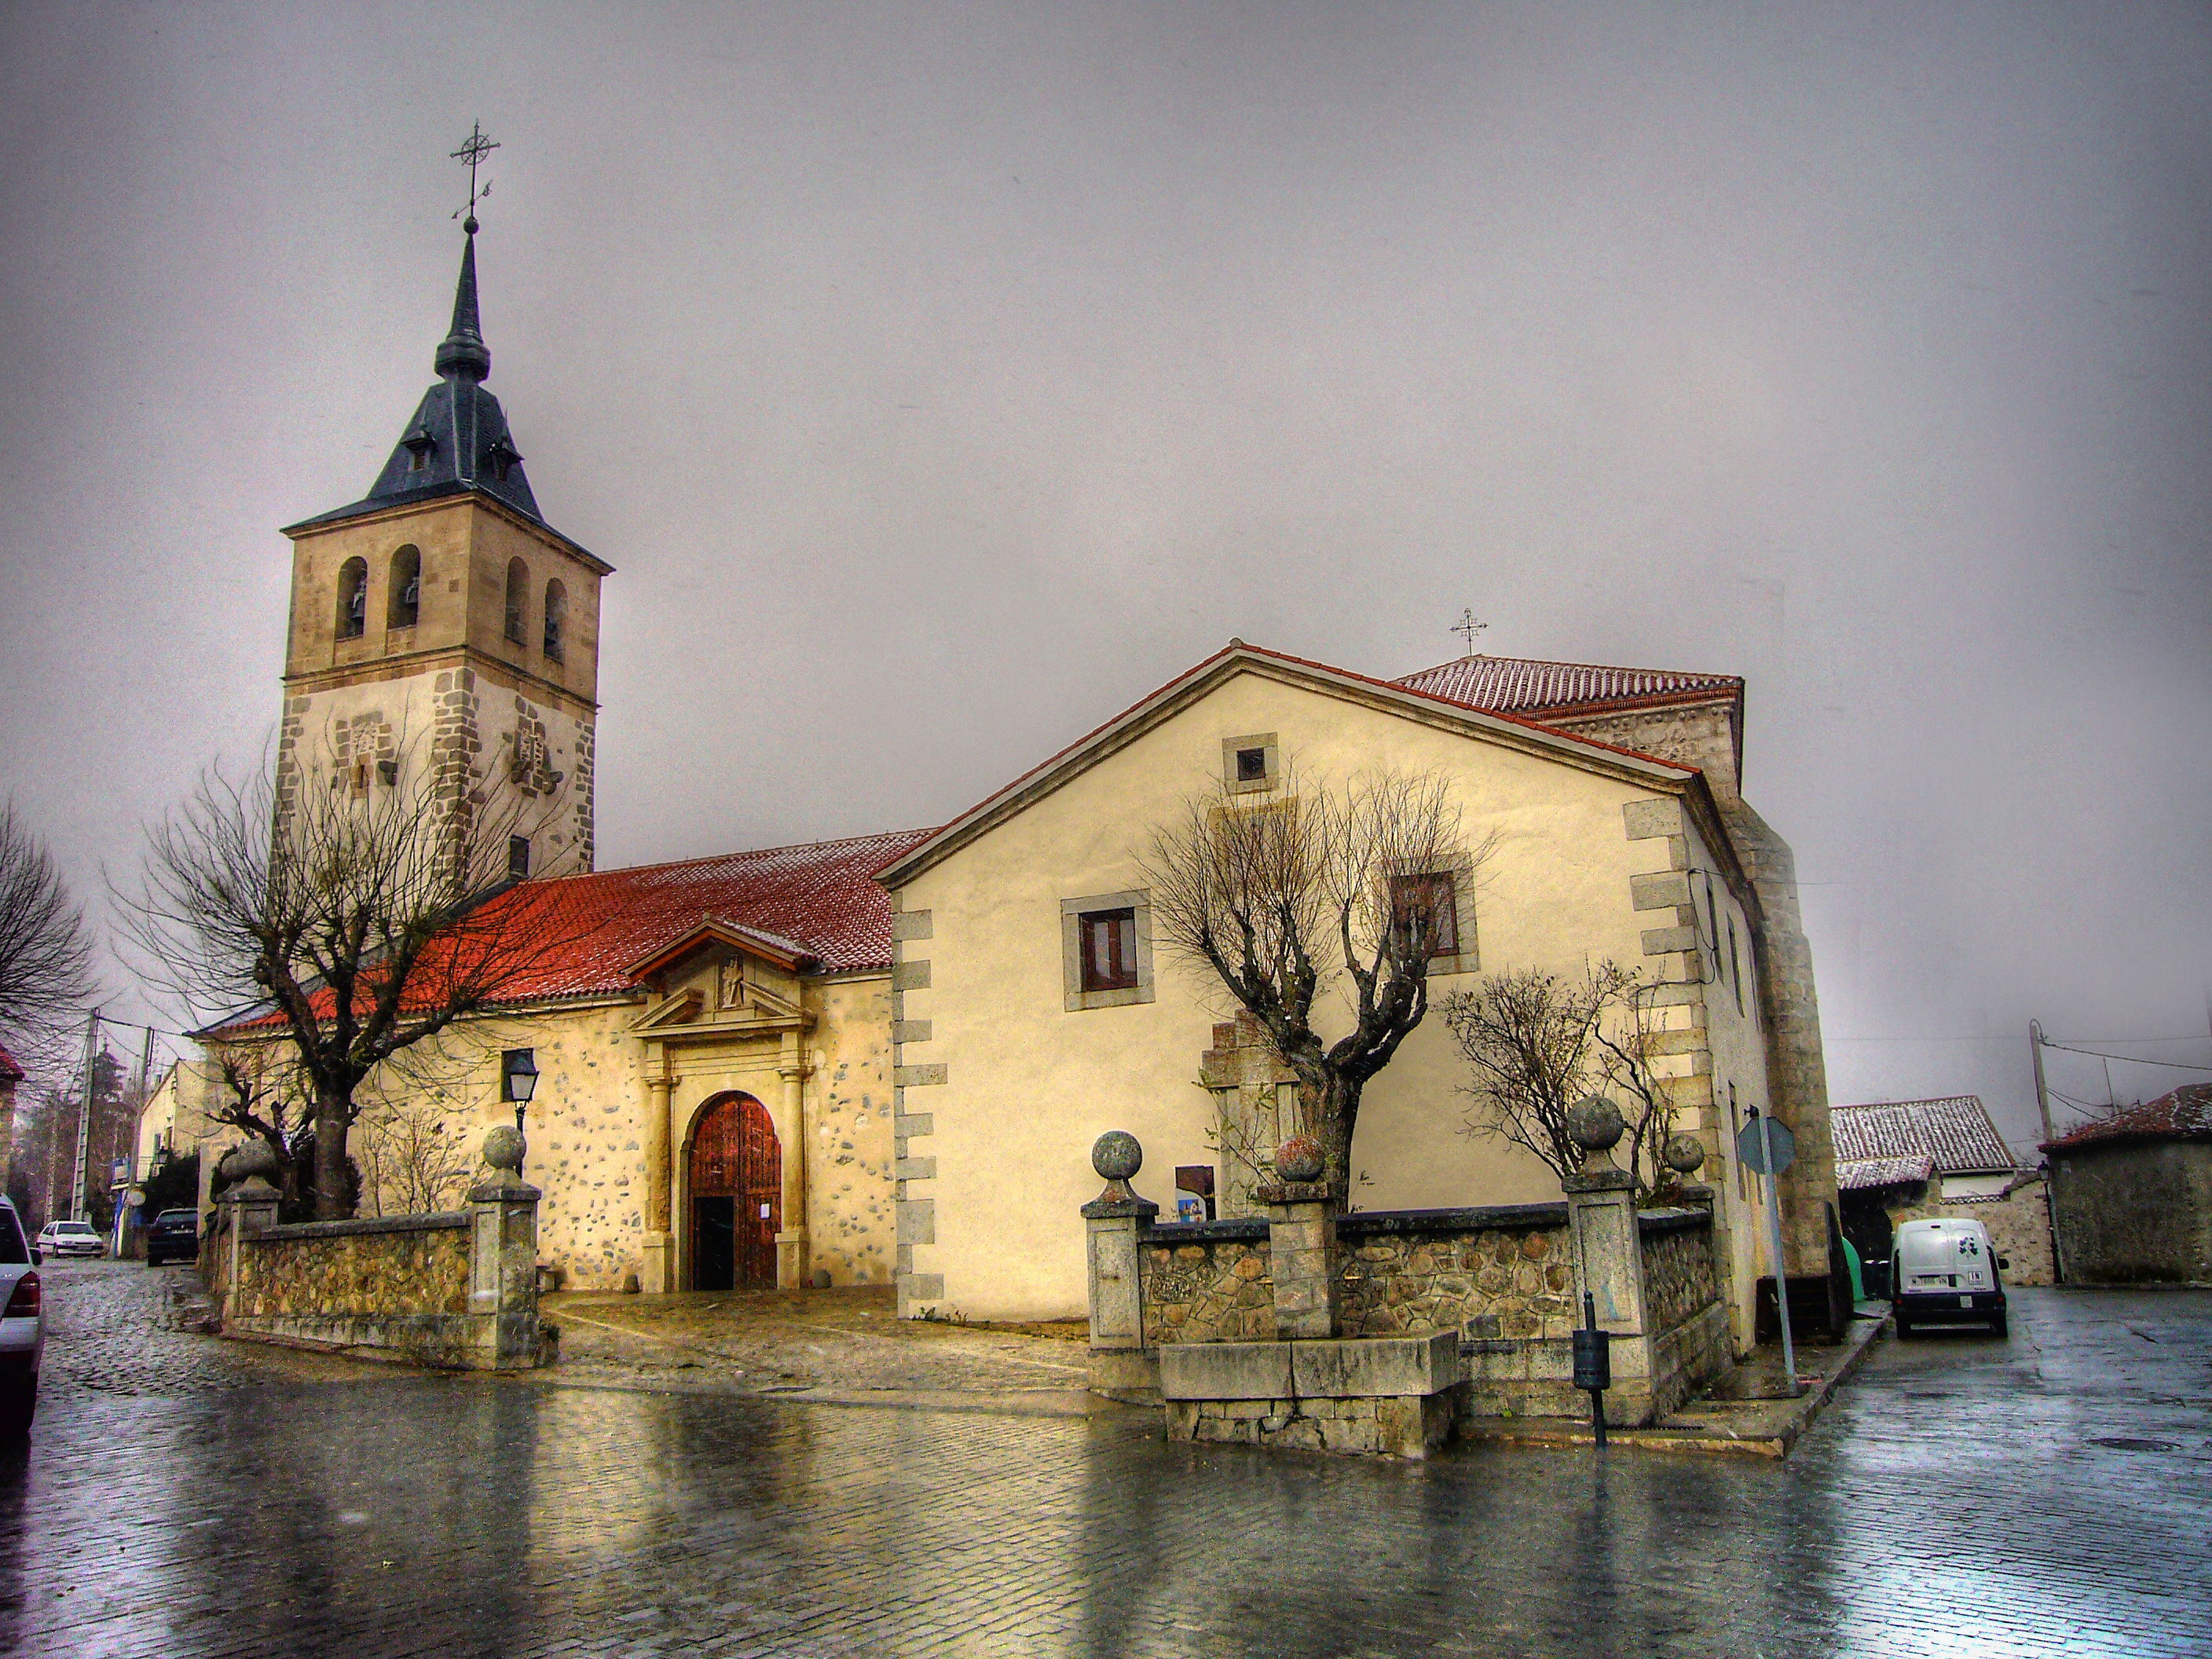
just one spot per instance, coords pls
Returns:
(737, 1195)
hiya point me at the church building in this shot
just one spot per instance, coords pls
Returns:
(885, 1059)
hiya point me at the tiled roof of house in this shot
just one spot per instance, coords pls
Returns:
(2183, 1114)
(820, 898)
(1530, 685)
(1862, 1173)
(1955, 1132)
(9, 1071)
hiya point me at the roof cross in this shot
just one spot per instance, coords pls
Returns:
(474, 150)
(1467, 627)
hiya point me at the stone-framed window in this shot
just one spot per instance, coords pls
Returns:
(1106, 950)
(1251, 764)
(1446, 895)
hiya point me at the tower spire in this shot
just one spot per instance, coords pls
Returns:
(463, 351)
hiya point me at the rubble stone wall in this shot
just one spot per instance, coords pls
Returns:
(1504, 1271)
(1206, 1282)
(403, 1265)
(1679, 1281)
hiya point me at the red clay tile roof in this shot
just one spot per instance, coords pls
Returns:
(9, 1071)
(819, 897)
(2184, 1115)
(1955, 1132)
(1530, 685)
(1862, 1173)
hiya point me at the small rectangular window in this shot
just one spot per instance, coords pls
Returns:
(1109, 950)
(517, 856)
(1251, 765)
(1429, 902)
(1735, 966)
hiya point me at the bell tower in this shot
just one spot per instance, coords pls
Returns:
(444, 638)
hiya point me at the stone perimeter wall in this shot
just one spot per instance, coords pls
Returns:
(1679, 1281)
(456, 1291)
(405, 1265)
(1502, 1271)
(1206, 1281)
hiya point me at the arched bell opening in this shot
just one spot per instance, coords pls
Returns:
(736, 1189)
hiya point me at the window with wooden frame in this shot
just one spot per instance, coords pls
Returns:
(1427, 905)
(1109, 938)
(1106, 950)
(1442, 902)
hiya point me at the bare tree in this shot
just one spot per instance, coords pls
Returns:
(1283, 894)
(1535, 1043)
(417, 1151)
(46, 952)
(354, 923)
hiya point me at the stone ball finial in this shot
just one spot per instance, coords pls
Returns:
(1594, 1124)
(255, 1157)
(502, 1148)
(1300, 1158)
(1116, 1155)
(1685, 1153)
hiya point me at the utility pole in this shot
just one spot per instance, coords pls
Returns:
(2042, 1093)
(2050, 1174)
(78, 1209)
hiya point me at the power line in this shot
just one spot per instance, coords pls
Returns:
(2128, 1059)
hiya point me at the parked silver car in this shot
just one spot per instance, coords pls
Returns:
(71, 1238)
(22, 1326)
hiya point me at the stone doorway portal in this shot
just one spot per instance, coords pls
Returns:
(737, 1196)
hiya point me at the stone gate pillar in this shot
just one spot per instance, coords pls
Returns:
(1601, 1217)
(1121, 1366)
(503, 1258)
(1301, 1242)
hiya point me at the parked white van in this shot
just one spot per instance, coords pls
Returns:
(1946, 1271)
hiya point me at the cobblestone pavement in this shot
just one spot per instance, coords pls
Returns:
(187, 1497)
(847, 1340)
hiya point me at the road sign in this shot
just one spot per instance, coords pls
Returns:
(1766, 1145)
(136, 1198)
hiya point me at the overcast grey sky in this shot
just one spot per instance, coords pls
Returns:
(941, 379)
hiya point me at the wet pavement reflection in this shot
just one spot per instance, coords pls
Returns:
(182, 1496)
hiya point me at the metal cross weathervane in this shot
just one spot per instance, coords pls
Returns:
(1467, 627)
(474, 151)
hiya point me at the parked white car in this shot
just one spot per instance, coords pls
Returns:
(22, 1326)
(1945, 1271)
(71, 1238)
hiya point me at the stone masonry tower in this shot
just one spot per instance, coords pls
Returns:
(444, 638)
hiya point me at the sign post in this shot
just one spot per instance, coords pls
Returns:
(1767, 1148)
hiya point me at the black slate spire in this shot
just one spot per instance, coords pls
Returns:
(458, 440)
(463, 351)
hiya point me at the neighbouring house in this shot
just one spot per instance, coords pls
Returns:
(1013, 1053)
(2133, 1193)
(1916, 1160)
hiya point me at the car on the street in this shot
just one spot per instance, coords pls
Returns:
(70, 1239)
(22, 1326)
(172, 1235)
(1946, 1272)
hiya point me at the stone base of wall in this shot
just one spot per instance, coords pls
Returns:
(1131, 1376)
(1687, 1357)
(447, 1342)
(1408, 1425)
(1535, 1379)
